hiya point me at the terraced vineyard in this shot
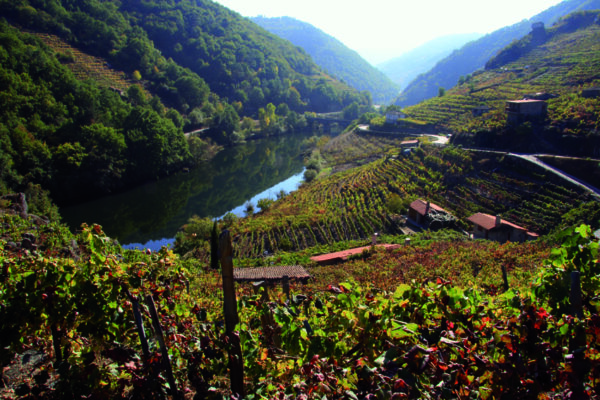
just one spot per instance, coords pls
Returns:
(562, 66)
(352, 204)
(85, 66)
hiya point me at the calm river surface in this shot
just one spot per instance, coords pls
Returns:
(149, 216)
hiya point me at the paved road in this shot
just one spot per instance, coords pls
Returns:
(533, 159)
(440, 140)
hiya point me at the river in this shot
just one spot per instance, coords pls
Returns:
(149, 216)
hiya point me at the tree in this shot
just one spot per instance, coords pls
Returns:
(310, 175)
(264, 204)
(352, 111)
(224, 124)
(441, 92)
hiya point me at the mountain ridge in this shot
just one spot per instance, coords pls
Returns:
(333, 56)
(406, 67)
(464, 61)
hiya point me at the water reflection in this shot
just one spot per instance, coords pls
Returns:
(151, 214)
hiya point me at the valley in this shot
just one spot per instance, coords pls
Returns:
(469, 221)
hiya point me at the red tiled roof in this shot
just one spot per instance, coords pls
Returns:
(420, 206)
(488, 222)
(343, 255)
(269, 273)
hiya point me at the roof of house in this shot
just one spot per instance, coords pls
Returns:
(420, 206)
(269, 273)
(488, 222)
(526, 101)
(344, 254)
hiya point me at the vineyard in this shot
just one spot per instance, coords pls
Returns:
(85, 66)
(562, 66)
(83, 318)
(353, 204)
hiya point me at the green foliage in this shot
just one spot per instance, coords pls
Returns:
(559, 66)
(310, 175)
(475, 54)
(333, 57)
(578, 252)
(405, 323)
(264, 204)
(397, 205)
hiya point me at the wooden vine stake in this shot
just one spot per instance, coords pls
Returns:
(163, 348)
(575, 295)
(505, 278)
(236, 363)
(139, 322)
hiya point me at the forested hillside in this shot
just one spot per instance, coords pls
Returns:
(561, 64)
(187, 49)
(105, 107)
(333, 56)
(405, 68)
(474, 55)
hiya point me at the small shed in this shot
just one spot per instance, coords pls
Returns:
(270, 274)
(392, 117)
(591, 93)
(480, 110)
(424, 213)
(409, 144)
(528, 109)
(486, 226)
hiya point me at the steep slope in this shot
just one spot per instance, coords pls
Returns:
(474, 55)
(185, 50)
(405, 68)
(333, 56)
(561, 64)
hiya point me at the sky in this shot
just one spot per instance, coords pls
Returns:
(383, 29)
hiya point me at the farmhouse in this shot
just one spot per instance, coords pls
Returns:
(491, 227)
(523, 110)
(428, 215)
(409, 144)
(480, 110)
(591, 92)
(392, 117)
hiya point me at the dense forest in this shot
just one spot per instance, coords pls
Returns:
(333, 56)
(189, 66)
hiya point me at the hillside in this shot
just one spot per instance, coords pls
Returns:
(405, 68)
(186, 50)
(333, 56)
(562, 64)
(83, 318)
(474, 55)
(102, 101)
(352, 204)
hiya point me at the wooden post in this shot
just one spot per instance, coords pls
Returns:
(285, 284)
(505, 278)
(163, 348)
(56, 343)
(236, 363)
(575, 295)
(139, 322)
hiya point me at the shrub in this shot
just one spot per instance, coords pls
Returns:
(310, 175)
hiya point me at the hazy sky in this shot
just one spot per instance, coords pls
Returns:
(382, 29)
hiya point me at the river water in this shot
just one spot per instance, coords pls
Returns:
(149, 216)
